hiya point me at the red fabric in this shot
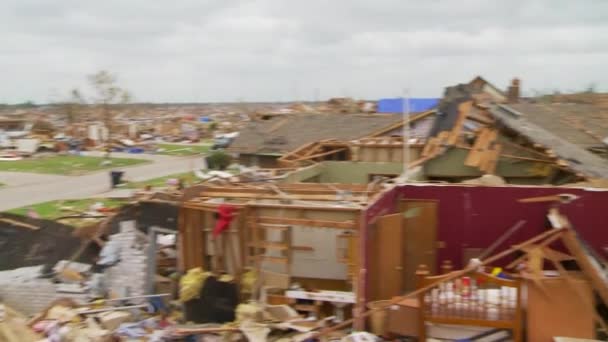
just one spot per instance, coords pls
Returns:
(225, 212)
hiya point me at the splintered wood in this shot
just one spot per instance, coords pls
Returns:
(485, 152)
(448, 138)
(463, 111)
(314, 152)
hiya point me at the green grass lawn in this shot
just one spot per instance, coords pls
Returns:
(188, 177)
(66, 165)
(54, 209)
(184, 150)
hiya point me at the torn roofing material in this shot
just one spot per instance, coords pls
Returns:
(280, 135)
(585, 125)
(447, 113)
(578, 158)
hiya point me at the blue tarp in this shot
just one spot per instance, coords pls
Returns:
(417, 105)
(204, 119)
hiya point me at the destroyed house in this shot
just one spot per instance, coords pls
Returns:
(263, 142)
(364, 243)
(462, 140)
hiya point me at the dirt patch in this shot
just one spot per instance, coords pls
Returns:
(21, 247)
(54, 241)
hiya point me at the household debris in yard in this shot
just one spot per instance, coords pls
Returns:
(326, 246)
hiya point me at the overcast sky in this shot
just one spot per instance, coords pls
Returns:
(223, 50)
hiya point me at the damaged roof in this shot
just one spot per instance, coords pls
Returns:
(584, 125)
(546, 125)
(283, 134)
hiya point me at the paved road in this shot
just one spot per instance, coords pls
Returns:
(21, 178)
(30, 189)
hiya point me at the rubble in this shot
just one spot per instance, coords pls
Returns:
(343, 241)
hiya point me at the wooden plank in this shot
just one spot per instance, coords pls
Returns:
(307, 222)
(329, 197)
(490, 159)
(478, 156)
(277, 260)
(303, 207)
(572, 283)
(472, 158)
(321, 154)
(411, 118)
(273, 226)
(254, 235)
(181, 239)
(295, 190)
(590, 267)
(426, 151)
(510, 156)
(242, 232)
(491, 167)
(270, 245)
(463, 110)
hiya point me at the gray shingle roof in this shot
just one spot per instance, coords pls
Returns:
(541, 124)
(280, 135)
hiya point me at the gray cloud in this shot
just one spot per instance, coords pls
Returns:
(192, 50)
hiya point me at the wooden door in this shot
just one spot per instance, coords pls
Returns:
(386, 274)
(420, 226)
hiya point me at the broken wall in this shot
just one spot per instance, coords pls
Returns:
(356, 172)
(475, 216)
(128, 277)
(345, 172)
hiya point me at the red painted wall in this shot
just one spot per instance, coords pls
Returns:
(475, 216)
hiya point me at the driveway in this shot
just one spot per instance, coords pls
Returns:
(25, 189)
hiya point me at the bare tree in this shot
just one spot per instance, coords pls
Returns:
(72, 107)
(108, 98)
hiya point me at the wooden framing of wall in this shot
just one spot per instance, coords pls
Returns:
(336, 207)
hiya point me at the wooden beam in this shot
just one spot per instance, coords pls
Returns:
(589, 267)
(303, 207)
(488, 164)
(510, 156)
(321, 154)
(332, 197)
(307, 222)
(265, 191)
(410, 119)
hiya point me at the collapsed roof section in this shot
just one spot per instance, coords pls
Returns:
(543, 125)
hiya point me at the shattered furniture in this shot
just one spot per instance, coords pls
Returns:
(474, 299)
(338, 299)
(403, 318)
